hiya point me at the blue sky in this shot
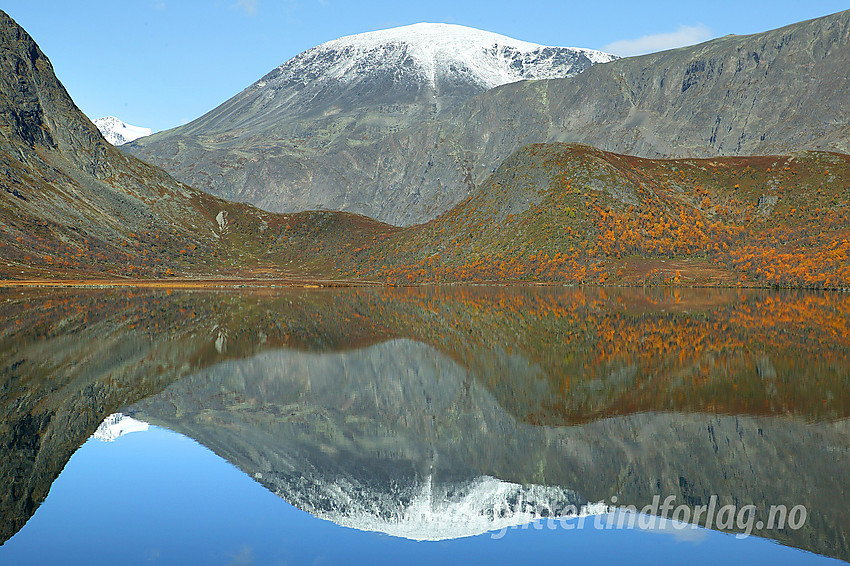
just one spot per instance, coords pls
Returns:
(161, 63)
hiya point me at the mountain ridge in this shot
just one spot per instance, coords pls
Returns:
(553, 212)
(319, 115)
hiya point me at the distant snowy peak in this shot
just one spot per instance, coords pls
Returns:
(435, 53)
(117, 425)
(117, 132)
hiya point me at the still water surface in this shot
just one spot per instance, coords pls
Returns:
(456, 425)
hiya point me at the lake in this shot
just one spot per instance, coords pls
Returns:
(424, 425)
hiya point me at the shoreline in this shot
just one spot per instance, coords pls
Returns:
(249, 283)
(184, 283)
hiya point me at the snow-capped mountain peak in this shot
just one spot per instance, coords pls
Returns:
(430, 66)
(117, 132)
(489, 58)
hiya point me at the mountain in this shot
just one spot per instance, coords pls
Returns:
(71, 200)
(117, 132)
(303, 137)
(770, 93)
(74, 206)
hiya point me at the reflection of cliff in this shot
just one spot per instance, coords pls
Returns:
(66, 362)
(69, 358)
(355, 437)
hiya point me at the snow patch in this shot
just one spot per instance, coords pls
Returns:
(221, 218)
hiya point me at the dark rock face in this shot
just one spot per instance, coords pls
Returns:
(20, 107)
(775, 92)
(35, 108)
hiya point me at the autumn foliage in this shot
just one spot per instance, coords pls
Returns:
(575, 214)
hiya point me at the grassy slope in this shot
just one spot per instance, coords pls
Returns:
(58, 222)
(554, 212)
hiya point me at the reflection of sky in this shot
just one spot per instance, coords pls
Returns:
(160, 498)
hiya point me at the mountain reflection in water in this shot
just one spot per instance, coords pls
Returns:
(438, 413)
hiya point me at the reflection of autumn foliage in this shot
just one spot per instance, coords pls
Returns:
(603, 354)
(575, 214)
(549, 355)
